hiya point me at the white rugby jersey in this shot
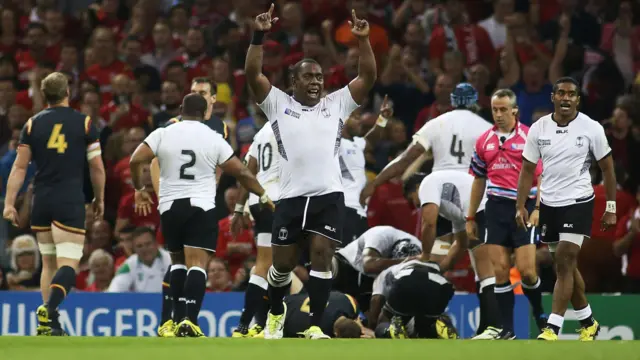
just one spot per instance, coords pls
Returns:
(354, 177)
(451, 191)
(383, 239)
(566, 153)
(265, 150)
(308, 141)
(452, 138)
(384, 282)
(134, 276)
(188, 153)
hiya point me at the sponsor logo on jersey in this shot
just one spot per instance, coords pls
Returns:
(517, 146)
(290, 112)
(329, 228)
(568, 226)
(563, 131)
(490, 146)
(544, 142)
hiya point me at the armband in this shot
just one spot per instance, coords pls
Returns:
(382, 121)
(470, 218)
(257, 37)
(611, 207)
(239, 209)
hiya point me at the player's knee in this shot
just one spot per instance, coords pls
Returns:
(565, 263)
(196, 257)
(501, 269)
(528, 273)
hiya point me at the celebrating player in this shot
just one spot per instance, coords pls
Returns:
(498, 158)
(263, 160)
(308, 129)
(188, 153)
(567, 141)
(57, 139)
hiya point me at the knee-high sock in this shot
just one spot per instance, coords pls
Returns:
(278, 285)
(176, 285)
(254, 298)
(506, 301)
(194, 289)
(319, 288)
(167, 300)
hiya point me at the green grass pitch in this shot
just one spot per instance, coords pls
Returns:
(125, 348)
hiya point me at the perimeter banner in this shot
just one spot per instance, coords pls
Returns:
(130, 314)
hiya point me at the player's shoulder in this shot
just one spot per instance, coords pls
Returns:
(360, 142)
(265, 132)
(172, 121)
(586, 121)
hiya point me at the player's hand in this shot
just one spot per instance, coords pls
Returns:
(10, 214)
(386, 109)
(264, 21)
(97, 207)
(608, 221)
(522, 217)
(237, 223)
(472, 229)
(143, 202)
(359, 27)
(366, 194)
(534, 218)
(268, 204)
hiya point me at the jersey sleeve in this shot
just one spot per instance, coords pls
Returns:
(345, 101)
(253, 149)
(531, 151)
(478, 163)
(273, 102)
(423, 137)
(123, 280)
(25, 134)
(599, 145)
(223, 151)
(91, 132)
(379, 239)
(153, 140)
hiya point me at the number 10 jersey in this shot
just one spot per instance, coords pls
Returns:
(452, 137)
(188, 153)
(265, 150)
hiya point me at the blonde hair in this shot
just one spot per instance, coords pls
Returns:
(99, 254)
(55, 88)
(21, 244)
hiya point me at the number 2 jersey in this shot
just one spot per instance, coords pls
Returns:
(59, 138)
(452, 138)
(188, 153)
(265, 150)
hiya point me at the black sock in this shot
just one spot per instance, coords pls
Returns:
(555, 328)
(167, 300)
(279, 284)
(382, 331)
(61, 284)
(194, 289)
(506, 301)
(254, 298)
(490, 304)
(483, 313)
(532, 292)
(261, 314)
(177, 280)
(319, 287)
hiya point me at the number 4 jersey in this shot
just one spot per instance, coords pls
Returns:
(452, 137)
(59, 138)
(188, 153)
(265, 150)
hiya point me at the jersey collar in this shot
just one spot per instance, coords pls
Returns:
(567, 124)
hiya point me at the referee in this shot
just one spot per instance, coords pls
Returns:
(567, 141)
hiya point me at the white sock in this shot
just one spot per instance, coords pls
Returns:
(556, 320)
(583, 313)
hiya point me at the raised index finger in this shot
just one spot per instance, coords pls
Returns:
(271, 9)
(385, 101)
(353, 15)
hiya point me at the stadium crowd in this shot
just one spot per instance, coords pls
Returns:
(129, 63)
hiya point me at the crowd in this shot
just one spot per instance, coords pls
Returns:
(129, 63)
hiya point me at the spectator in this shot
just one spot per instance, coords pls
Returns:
(377, 34)
(291, 28)
(121, 112)
(24, 273)
(627, 247)
(442, 90)
(620, 39)
(9, 31)
(126, 209)
(177, 73)
(90, 105)
(194, 58)
(234, 250)
(119, 180)
(165, 48)
(101, 271)
(144, 270)
(495, 24)
(54, 23)
(124, 247)
(179, 22)
(171, 98)
(36, 51)
(218, 276)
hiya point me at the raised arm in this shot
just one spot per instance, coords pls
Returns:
(259, 83)
(367, 72)
(377, 131)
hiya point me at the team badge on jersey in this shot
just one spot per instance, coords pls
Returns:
(325, 112)
(579, 141)
(283, 234)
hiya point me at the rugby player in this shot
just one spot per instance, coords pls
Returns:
(496, 164)
(58, 139)
(188, 153)
(308, 128)
(567, 141)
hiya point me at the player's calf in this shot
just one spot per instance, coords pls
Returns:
(320, 276)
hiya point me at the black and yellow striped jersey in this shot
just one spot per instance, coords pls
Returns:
(298, 319)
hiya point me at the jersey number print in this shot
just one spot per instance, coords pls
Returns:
(187, 165)
(456, 152)
(57, 140)
(265, 158)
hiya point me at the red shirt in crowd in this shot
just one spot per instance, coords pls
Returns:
(427, 113)
(126, 210)
(625, 203)
(26, 62)
(104, 74)
(236, 260)
(631, 260)
(388, 206)
(122, 174)
(473, 41)
(137, 117)
(196, 67)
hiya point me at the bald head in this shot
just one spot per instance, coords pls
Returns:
(194, 107)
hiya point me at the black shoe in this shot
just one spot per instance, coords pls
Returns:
(541, 321)
(507, 335)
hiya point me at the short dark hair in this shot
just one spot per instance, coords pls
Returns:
(129, 39)
(129, 229)
(206, 80)
(194, 105)
(36, 25)
(55, 88)
(295, 70)
(565, 80)
(139, 231)
(347, 329)
(176, 63)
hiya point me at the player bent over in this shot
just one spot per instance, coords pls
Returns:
(57, 139)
